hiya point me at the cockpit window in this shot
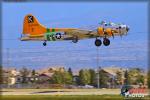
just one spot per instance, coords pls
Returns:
(112, 24)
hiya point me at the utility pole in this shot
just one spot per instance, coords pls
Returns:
(97, 79)
(98, 69)
(7, 51)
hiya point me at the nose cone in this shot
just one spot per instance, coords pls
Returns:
(127, 28)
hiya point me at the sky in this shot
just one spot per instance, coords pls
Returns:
(128, 51)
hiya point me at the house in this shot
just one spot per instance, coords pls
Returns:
(46, 74)
(9, 76)
(111, 73)
(43, 78)
(76, 79)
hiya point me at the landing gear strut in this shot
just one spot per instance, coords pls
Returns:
(98, 42)
(44, 43)
(106, 42)
(75, 39)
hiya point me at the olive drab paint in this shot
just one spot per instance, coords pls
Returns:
(50, 36)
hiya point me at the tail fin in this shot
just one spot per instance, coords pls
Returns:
(31, 26)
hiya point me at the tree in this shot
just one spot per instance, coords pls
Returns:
(140, 79)
(81, 77)
(127, 80)
(24, 73)
(70, 75)
(148, 79)
(67, 78)
(70, 71)
(119, 78)
(135, 76)
(92, 77)
(1, 73)
(103, 78)
(84, 77)
(33, 72)
(61, 78)
(57, 77)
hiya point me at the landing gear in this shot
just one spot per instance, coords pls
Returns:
(44, 43)
(98, 42)
(106, 42)
(75, 39)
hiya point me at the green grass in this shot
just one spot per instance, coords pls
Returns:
(67, 97)
(62, 97)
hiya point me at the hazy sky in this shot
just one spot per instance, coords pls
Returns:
(128, 51)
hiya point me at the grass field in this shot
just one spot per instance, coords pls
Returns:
(47, 97)
(63, 94)
(67, 97)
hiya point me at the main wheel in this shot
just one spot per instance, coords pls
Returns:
(98, 42)
(75, 39)
(106, 42)
(44, 44)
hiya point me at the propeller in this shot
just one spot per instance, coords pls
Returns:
(120, 30)
(113, 35)
(127, 28)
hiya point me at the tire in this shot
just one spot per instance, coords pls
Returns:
(106, 42)
(75, 39)
(44, 44)
(98, 42)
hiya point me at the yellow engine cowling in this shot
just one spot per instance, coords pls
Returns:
(109, 31)
(104, 32)
(100, 31)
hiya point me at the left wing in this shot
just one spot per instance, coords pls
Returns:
(99, 32)
(80, 34)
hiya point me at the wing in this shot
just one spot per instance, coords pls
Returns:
(81, 34)
(86, 34)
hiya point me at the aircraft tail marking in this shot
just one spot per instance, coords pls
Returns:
(31, 26)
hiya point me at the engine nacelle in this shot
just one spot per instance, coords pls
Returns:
(100, 31)
(104, 32)
(109, 31)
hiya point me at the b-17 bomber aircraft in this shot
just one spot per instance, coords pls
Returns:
(34, 31)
